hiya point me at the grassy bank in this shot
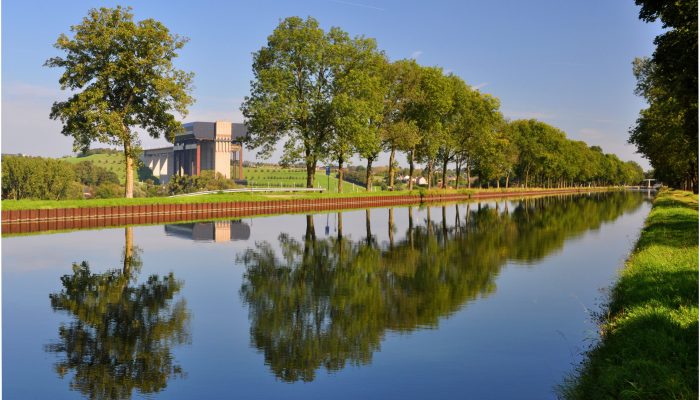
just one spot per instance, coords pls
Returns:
(222, 197)
(649, 344)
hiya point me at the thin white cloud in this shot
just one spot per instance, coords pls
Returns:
(480, 85)
(416, 54)
(347, 3)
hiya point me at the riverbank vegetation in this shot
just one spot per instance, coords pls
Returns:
(649, 343)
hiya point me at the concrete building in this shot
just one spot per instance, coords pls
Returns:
(215, 146)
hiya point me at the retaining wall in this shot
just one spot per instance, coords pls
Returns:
(26, 221)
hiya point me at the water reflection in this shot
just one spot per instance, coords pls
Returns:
(327, 302)
(122, 333)
(215, 231)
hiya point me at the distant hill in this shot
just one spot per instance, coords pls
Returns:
(111, 162)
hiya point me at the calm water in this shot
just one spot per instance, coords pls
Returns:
(485, 300)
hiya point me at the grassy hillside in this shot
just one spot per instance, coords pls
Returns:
(111, 162)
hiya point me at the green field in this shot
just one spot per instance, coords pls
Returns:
(282, 177)
(649, 333)
(111, 162)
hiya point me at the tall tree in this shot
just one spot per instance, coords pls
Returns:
(125, 79)
(399, 132)
(667, 131)
(357, 93)
(431, 113)
(290, 94)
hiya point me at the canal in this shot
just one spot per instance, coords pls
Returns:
(483, 300)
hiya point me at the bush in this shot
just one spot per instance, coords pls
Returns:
(207, 180)
(108, 191)
(36, 178)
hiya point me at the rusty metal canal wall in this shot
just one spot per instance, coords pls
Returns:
(40, 220)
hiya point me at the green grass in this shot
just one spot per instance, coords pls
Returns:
(111, 162)
(214, 198)
(282, 177)
(649, 344)
(210, 198)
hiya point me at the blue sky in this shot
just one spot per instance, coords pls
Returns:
(567, 63)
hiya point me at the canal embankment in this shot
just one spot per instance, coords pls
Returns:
(649, 330)
(38, 216)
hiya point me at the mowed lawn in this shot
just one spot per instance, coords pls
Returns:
(282, 177)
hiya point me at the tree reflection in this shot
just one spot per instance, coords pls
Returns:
(122, 332)
(329, 302)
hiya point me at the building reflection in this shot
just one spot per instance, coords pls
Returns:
(214, 231)
(122, 331)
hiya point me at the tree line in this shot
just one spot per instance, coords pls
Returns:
(666, 132)
(328, 97)
(51, 179)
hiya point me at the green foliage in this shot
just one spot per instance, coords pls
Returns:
(330, 97)
(547, 158)
(122, 76)
(90, 174)
(206, 180)
(90, 152)
(107, 191)
(36, 178)
(649, 343)
(667, 131)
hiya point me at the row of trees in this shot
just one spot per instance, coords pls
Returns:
(667, 131)
(330, 97)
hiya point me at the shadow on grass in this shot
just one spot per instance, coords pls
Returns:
(671, 289)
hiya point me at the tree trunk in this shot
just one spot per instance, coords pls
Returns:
(469, 174)
(458, 171)
(368, 178)
(310, 172)
(410, 170)
(527, 177)
(391, 168)
(507, 178)
(430, 174)
(129, 158)
(340, 174)
(444, 173)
